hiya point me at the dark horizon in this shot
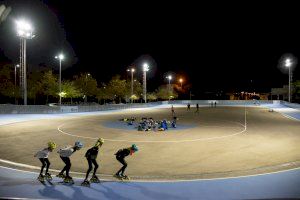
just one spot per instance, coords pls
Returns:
(218, 47)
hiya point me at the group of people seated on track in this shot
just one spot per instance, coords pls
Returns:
(90, 155)
(148, 124)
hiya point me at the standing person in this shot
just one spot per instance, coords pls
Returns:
(211, 104)
(91, 156)
(120, 156)
(215, 104)
(197, 108)
(173, 111)
(188, 106)
(65, 154)
(43, 155)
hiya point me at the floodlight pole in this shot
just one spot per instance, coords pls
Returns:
(24, 32)
(60, 81)
(131, 85)
(290, 80)
(16, 66)
(169, 87)
(144, 85)
(23, 77)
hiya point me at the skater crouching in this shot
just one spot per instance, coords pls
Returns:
(91, 156)
(65, 154)
(120, 156)
(43, 155)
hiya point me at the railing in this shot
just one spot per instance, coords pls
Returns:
(44, 109)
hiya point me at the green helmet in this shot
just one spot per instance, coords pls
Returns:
(51, 145)
(134, 147)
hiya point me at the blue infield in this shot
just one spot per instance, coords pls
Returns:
(123, 125)
(270, 186)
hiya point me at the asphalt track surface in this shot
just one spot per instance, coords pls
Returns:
(217, 142)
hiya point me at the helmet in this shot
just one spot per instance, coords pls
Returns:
(134, 147)
(51, 145)
(99, 142)
(78, 144)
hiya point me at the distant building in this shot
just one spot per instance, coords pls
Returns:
(248, 96)
(280, 93)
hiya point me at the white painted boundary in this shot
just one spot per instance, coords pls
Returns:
(162, 141)
(161, 181)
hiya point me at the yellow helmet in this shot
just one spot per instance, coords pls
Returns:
(99, 142)
(51, 145)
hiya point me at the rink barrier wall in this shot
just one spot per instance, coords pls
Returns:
(291, 105)
(45, 109)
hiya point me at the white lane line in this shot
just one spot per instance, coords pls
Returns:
(152, 141)
(161, 141)
(38, 168)
(170, 181)
(25, 171)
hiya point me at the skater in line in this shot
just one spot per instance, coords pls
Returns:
(43, 155)
(188, 106)
(173, 111)
(91, 156)
(120, 156)
(65, 154)
(197, 108)
(173, 123)
(215, 104)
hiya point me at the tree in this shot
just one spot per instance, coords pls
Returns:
(296, 89)
(86, 84)
(152, 96)
(164, 93)
(116, 88)
(69, 90)
(34, 85)
(49, 85)
(137, 90)
(134, 98)
(7, 85)
(103, 94)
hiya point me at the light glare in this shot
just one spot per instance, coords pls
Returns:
(288, 62)
(146, 67)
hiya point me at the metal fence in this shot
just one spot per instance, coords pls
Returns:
(44, 109)
(291, 105)
(221, 102)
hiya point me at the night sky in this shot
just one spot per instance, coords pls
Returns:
(218, 47)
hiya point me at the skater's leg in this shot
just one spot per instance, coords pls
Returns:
(95, 166)
(43, 164)
(122, 161)
(89, 169)
(65, 167)
(124, 167)
(68, 166)
(47, 165)
(122, 170)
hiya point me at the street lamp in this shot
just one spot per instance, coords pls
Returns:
(60, 57)
(131, 70)
(288, 63)
(169, 78)
(24, 31)
(145, 69)
(180, 81)
(16, 66)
